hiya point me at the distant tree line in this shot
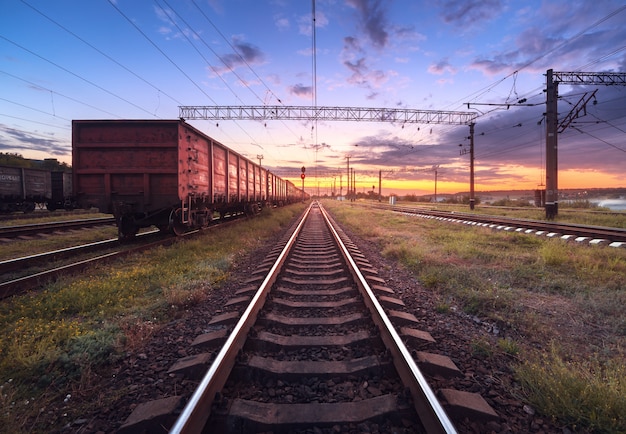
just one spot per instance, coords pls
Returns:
(462, 199)
(17, 160)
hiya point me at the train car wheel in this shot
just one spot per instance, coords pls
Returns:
(176, 224)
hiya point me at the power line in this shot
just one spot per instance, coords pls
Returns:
(57, 93)
(76, 75)
(112, 3)
(196, 49)
(34, 109)
(100, 51)
(599, 139)
(237, 53)
(34, 122)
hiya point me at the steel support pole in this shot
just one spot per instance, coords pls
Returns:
(472, 200)
(552, 192)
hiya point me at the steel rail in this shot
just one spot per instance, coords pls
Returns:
(599, 232)
(428, 407)
(22, 284)
(198, 409)
(24, 261)
(16, 231)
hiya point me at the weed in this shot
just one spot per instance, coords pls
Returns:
(481, 348)
(589, 394)
(509, 346)
(442, 307)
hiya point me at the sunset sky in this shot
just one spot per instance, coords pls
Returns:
(140, 59)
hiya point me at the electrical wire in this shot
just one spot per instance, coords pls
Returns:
(132, 23)
(100, 52)
(76, 75)
(37, 86)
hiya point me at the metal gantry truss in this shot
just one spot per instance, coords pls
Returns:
(309, 113)
(354, 114)
(598, 78)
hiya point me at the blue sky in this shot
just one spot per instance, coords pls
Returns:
(140, 59)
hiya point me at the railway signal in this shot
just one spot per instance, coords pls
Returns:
(302, 176)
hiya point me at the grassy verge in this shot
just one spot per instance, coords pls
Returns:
(560, 304)
(592, 217)
(53, 340)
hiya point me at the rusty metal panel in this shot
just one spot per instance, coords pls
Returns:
(264, 180)
(233, 177)
(193, 163)
(269, 186)
(244, 194)
(253, 193)
(282, 188)
(128, 161)
(219, 173)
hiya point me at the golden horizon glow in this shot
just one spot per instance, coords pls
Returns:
(520, 179)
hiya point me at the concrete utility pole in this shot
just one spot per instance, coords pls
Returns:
(472, 199)
(552, 123)
(552, 193)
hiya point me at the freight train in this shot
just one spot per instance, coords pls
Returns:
(168, 174)
(23, 189)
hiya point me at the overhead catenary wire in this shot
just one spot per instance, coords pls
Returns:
(38, 86)
(236, 53)
(77, 75)
(100, 51)
(169, 59)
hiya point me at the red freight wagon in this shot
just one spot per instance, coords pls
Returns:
(164, 173)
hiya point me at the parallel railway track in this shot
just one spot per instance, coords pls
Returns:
(315, 350)
(615, 237)
(33, 279)
(40, 228)
(16, 276)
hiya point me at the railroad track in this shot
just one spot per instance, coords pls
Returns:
(40, 228)
(19, 284)
(17, 278)
(315, 350)
(614, 237)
